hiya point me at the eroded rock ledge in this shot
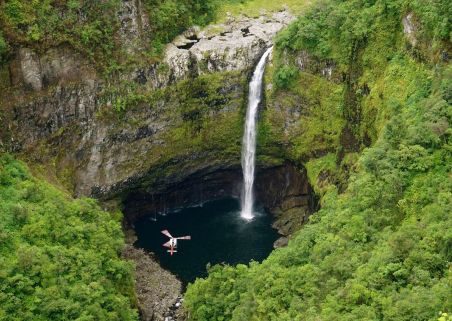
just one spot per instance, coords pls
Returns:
(235, 45)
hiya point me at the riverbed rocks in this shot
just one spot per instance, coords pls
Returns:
(157, 290)
(233, 46)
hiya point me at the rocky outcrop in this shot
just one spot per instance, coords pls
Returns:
(157, 290)
(409, 28)
(57, 66)
(286, 193)
(134, 23)
(234, 46)
(30, 69)
(238, 45)
(42, 117)
(324, 68)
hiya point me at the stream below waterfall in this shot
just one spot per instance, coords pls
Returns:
(218, 234)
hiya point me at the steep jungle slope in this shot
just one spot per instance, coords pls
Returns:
(59, 257)
(373, 80)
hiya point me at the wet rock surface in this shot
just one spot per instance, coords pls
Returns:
(289, 197)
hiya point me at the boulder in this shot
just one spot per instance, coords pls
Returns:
(55, 66)
(30, 67)
(234, 46)
(409, 28)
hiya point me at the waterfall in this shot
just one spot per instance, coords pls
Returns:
(249, 137)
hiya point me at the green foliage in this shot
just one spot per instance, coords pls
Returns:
(284, 76)
(306, 118)
(333, 29)
(88, 26)
(320, 170)
(199, 105)
(3, 46)
(59, 258)
(365, 45)
(381, 249)
(91, 27)
(445, 317)
(169, 18)
(435, 18)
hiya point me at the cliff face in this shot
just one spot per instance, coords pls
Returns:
(150, 133)
(62, 112)
(162, 135)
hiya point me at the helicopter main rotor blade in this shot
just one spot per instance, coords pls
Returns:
(188, 237)
(167, 244)
(167, 233)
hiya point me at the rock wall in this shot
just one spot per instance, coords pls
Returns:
(286, 193)
(57, 66)
(134, 23)
(59, 110)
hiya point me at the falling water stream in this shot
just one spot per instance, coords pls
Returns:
(249, 138)
(216, 228)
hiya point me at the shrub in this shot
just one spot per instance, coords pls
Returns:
(284, 76)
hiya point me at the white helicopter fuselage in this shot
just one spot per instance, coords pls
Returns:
(172, 243)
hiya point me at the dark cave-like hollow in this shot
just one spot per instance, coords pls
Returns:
(206, 206)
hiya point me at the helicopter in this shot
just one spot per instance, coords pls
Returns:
(172, 243)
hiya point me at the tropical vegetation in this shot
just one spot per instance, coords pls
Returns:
(380, 247)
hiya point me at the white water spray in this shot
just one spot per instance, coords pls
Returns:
(249, 137)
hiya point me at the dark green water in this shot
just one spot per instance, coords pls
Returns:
(218, 234)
